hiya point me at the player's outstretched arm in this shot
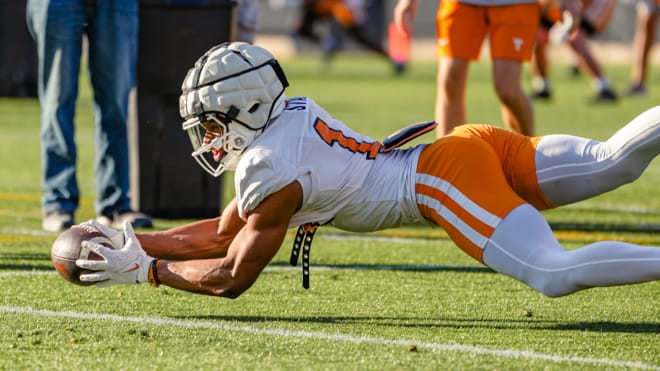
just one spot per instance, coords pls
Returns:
(204, 239)
(251, 250)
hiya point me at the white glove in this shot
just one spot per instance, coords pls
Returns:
(129, 265)
(114, 235)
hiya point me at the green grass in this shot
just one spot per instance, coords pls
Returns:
(399, 299)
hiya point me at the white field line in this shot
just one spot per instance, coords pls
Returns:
(315, 335)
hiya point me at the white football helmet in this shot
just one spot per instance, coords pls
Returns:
(228, 98)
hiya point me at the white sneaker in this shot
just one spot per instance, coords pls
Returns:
(57, 221)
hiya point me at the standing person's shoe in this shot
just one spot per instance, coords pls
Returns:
(636, 90)
(543, 94)
(57, 221)
(136, 218)
(605, 96)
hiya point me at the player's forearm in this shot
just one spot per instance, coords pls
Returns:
(210, 277)
(199, 240)
(250, 252)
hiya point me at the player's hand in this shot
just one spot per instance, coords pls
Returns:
(114, 235)
(130, 265)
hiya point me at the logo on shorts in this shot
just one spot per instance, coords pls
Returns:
(517, 43)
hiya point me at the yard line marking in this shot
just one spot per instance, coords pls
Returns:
(315, 335)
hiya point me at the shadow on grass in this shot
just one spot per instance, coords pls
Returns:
(392, 267)
(27, 267)
(27, 261)
(453, 323)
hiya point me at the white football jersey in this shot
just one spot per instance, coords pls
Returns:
(346, 181)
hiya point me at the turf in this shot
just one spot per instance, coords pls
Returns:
(399, 299)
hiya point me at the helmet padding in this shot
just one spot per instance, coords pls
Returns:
(239, 84)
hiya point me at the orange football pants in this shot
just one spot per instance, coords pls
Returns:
(469, 180)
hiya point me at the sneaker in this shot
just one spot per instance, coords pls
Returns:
(605, 96)
(57, 221)
(136, 218)
(544, 94)
(636, 90)
(399, 67)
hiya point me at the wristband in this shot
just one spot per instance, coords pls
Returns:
(153, 273)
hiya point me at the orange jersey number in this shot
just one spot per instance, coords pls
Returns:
(332, 136)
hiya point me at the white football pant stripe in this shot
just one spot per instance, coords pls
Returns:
(459, 198)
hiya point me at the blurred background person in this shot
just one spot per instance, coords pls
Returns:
(594, 18)
(462, 27)
(111, 27)
(341, 18)
(247, 20)
(648, 13)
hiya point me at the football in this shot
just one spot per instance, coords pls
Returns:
(67, 249)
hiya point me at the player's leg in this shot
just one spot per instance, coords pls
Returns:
(58, 32)
(523, 247)
(512, 33)
(571, 169)
(540, 64)
(648, 13)
(461, 29)
(112, 35)
(516, 106)
(450, 94)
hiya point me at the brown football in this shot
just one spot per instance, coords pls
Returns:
(67, 249)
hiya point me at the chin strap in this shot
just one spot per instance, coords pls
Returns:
(303, 239)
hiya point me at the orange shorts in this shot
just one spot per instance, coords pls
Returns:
(511, 30)
(470, 179)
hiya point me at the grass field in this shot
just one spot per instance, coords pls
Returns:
(401, 299)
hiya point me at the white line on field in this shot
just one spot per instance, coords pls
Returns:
(459, 348)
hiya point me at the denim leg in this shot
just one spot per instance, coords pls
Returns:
(57, 27)
(112, 35)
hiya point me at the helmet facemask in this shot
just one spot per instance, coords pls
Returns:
(217, 149)
(228, 99)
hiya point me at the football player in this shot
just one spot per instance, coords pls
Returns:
(297, 166)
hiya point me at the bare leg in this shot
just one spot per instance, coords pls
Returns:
(516, 107)
(571, 169)
(540, 66)
(524, 247)
(646, 23)
(580, 45)
(450, 95)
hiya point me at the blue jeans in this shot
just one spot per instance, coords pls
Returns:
(111, 27)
